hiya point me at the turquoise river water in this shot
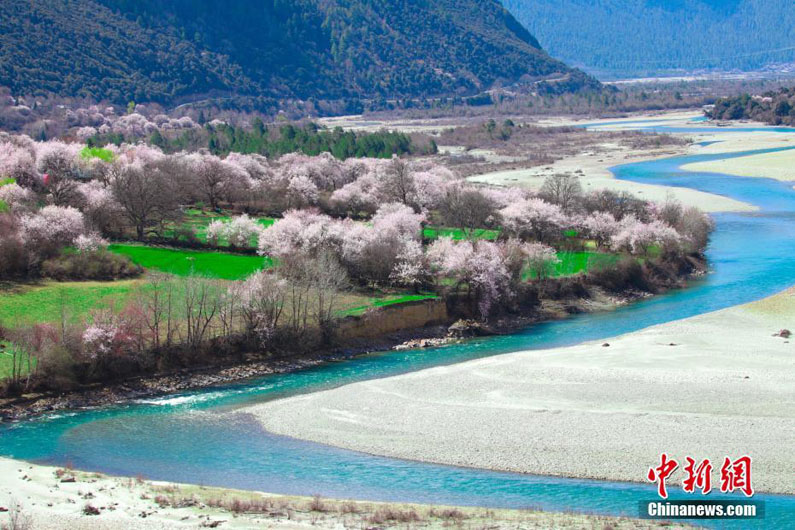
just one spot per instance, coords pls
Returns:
(206, 437)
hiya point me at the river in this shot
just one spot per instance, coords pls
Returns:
(206, 437)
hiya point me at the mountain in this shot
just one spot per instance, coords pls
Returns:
(655, 36)
(171, 50)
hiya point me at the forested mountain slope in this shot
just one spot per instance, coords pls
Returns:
(159, 50)
(650, 36)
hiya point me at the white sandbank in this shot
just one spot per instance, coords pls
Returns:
(48, 503)
(594, 173)
(779, 165)
(713, 385)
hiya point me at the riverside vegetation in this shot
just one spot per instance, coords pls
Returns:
(775, 107)
(126, 260)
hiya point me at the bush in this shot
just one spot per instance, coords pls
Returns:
(97, 265)
(13, 256)
(628, 273)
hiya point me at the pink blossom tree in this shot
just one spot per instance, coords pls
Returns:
(323, 170)
(411, 267)
(99, 205)
(45, 232)
(17, 198)
(98, 339)
(301, 192)
(361, 195)
(502, 197)
(481, 266)
(429, 189)
(17, 161)
(90, 242)
(238, 232)
(59, 163)
(638, 237)
(215, 231)
(139, 154)
(397, 220)
(300, 232)
(374, 253)
(601, 227)
(534, 219)
(215, 179)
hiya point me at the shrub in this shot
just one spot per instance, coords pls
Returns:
(13, 256)
(92, 265)
(628, 273)
(17, 518)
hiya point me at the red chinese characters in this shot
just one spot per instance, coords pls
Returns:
(661, 473)
(698, 476)
(736, 475)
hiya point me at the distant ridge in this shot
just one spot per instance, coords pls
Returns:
(647, 37)
(167, 51)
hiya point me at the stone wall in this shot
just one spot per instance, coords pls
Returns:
(379, 322)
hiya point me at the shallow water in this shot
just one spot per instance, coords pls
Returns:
(204, 437)
(661, 127)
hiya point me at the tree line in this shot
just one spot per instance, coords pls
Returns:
(773, 107)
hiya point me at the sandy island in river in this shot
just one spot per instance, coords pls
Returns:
(593, 168)
(709, 386)
(779, 165)
(597, 176)
(52, 498)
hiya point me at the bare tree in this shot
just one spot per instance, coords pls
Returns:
(158, 304)
(213, 178)
(398, 182)
(315, 285)
(61, 174)
(148, 195)
(328, 279)
(563, 189)
(201, 304)
(466, 208)
(618, 204)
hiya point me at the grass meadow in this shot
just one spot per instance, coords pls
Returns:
(181, 262)
(49, 301)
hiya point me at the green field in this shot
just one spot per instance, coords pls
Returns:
(187, 262)
(103, 154)
(45, 302)
(458, 234)
(387, 301)
(575, 262)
